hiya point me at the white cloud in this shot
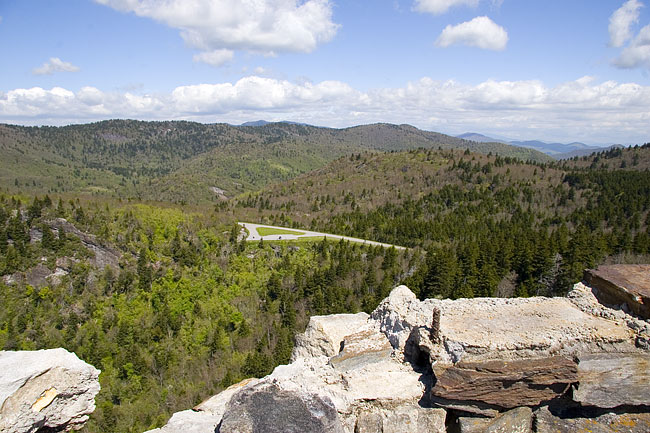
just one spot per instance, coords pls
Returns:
(621, 21)
(438, 7)
(264, 26)
(583, 109)
(54, 65)
(215, 58)
(637, 53)
(255, 93)
(480, 32)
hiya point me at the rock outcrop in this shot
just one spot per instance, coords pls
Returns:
(45, 390)
(467, 365)
(627, 286)
(104, 255)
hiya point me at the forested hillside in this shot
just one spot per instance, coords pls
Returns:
(188, 162)
(173, 305)
(490, 225)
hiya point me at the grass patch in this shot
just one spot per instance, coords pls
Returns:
(265, 231)
(308, 239)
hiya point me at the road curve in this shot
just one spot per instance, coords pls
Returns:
(255, 236)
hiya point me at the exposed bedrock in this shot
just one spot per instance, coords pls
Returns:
(467, 365)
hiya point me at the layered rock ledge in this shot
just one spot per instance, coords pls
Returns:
(467, 365)
(45, 390)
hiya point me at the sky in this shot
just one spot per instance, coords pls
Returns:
(564, 71)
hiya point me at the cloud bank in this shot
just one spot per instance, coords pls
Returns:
(480, 32)
(54, 65)
(218, 27)
(577, 110)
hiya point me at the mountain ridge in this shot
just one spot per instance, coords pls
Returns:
(185, 161)
(554, 149)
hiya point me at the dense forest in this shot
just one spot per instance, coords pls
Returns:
(489, 225)
(171, 302)
(185, 309)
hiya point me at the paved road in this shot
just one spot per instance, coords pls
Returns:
(255, 236)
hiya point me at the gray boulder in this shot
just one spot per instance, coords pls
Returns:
(266, 408)
(49, 390)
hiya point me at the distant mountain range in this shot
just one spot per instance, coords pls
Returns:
(556, 150)
(264, 123)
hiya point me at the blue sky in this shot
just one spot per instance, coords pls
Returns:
(556, 70)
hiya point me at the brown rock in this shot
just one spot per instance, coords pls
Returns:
(503, 384)
(622, 284)
(546, 422)
(609, 380)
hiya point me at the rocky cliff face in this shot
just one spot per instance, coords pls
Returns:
(45, 391)
(469, 365)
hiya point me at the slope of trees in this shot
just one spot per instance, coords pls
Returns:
(489, 225)
(189, 310)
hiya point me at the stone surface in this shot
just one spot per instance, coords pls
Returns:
(609, 380)
(481, 329)
(503, 384)
(402, 419)
(399, 314)
(467, 424)
(324, 334)
(546, 422)
(190, 421)
(266, 408)
(45, 389)
(386, 380)
(361, 349)
(38, 275)
(518, 420)
(622, 284)
(104, 255)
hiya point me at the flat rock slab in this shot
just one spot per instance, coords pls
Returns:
(503, 384)
(622, 284)
(482, 329)
(546, 422)
(609, 380)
